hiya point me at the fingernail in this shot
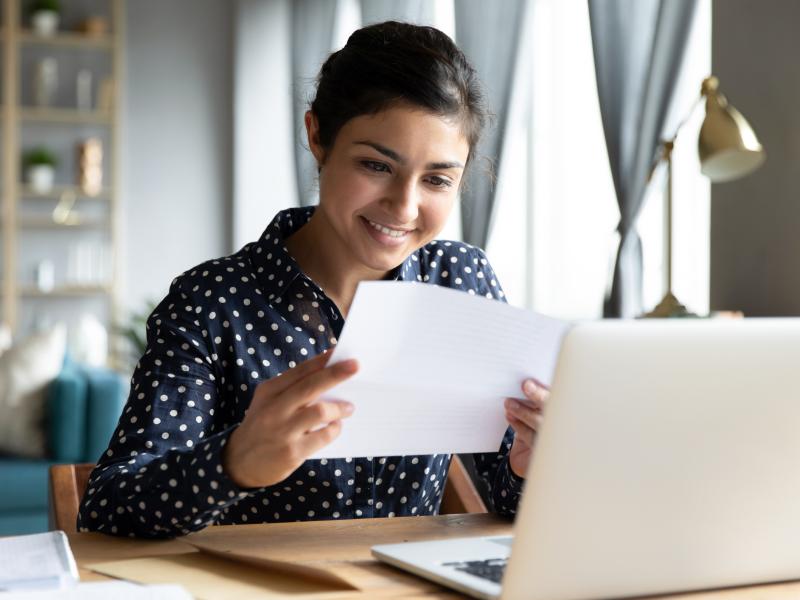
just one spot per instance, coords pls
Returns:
(348, 407)
(529, 386)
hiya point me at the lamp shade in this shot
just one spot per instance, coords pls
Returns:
(727, 146)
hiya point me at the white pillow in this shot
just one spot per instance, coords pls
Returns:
(5, 337)
(26, 371)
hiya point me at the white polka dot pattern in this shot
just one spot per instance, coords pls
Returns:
(225, 326)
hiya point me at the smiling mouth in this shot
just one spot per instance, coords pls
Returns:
(395, 233)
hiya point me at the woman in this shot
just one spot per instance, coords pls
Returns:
(223, 408)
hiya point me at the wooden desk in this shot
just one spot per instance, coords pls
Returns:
(344, 546)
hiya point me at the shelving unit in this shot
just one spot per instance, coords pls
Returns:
(27, 227)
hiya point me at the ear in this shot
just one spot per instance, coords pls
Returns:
(312, 131)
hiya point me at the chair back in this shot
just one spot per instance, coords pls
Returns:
(67, 485)
(460, 494)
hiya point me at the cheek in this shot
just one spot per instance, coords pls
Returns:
(438, 210)
(348, 189)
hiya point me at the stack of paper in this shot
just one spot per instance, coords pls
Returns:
(41, 560)
(101, 590)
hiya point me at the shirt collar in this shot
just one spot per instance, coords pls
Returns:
(277, 270)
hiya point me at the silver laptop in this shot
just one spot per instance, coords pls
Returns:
(669, 460)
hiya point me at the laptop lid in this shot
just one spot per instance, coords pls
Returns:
(669, 460)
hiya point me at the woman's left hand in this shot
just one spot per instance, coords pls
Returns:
(525, 416)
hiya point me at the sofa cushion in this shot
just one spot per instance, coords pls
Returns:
(66, 415)
(107, 395)
(26, 371)
(24, 484)
(22, 522)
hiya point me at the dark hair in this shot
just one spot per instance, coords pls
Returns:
(389, 63)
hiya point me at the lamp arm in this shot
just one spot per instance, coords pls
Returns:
(665, 146)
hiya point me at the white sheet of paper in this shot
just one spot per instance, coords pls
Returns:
(103, 590)
(435, 367)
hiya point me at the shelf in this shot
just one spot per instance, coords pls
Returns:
(48, 223)
(66, 291)
(67, 39)
(64, 115)
(58, 190)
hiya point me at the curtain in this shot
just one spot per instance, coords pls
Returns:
(489, 34)
(638, 50)
(312, 38)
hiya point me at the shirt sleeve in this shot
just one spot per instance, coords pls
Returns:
(504, 486)
(162, 474)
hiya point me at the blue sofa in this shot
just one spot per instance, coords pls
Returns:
(84, 405)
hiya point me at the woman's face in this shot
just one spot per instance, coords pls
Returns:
(389, 182)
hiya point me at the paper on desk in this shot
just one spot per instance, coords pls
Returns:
(103, 590)
(212, 577)
(39, 560)
(435, 367)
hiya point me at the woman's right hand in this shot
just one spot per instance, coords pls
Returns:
(286, 423)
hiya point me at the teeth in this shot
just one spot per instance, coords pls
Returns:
(395, 233)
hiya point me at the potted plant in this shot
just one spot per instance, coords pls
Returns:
(45, 16)
(40, 166)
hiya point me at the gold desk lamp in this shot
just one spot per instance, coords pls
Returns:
(727, 148)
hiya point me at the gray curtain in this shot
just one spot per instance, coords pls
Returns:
(408, 11)
(638, 50)
(312, 37)
(489, 33)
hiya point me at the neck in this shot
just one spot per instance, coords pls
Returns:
(325, 258)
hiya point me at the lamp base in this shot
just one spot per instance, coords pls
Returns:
(669, 308)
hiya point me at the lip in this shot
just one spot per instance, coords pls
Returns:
(383, 238)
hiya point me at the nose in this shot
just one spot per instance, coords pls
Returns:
(402, 201)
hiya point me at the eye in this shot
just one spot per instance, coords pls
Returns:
(439, 182)
(374, 165)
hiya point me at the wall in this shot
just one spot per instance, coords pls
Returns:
(176, 144)
(755, 221)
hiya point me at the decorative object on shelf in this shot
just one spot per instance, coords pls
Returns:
(90, 166)
(45, 16)
(46, 82)
(83, 90)
(728, 149)
(94, 26)
(105, 95)
(40, 166)
(45, 275)
(63, 213)
(88, 264)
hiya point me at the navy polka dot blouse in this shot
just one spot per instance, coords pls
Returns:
(225, 326)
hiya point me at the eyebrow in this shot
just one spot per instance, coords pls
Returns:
(388, 152)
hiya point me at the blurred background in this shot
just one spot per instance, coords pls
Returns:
(173, 132)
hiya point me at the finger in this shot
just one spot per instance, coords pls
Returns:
(320, 438)
(310, 387)
(524, 413)
(522, 433)
(320, 413)
(536, 405)
(535, 392)
(289, 377)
